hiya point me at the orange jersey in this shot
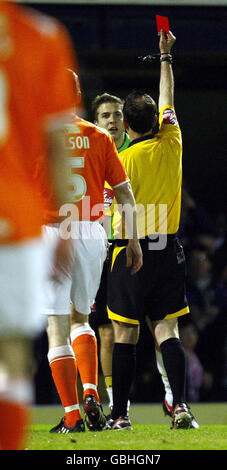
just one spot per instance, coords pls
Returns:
(93, 160)
(35, 90)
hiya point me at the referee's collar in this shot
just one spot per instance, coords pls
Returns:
(141, 139)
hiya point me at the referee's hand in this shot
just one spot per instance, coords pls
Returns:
(166, 42)
(134, 256)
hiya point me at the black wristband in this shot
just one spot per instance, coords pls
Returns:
(168, 58)
(151, 58)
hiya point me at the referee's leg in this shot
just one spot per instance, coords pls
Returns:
(167, 337)
(123, 366)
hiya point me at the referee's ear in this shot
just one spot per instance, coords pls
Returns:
(126, 125)
(155, 126)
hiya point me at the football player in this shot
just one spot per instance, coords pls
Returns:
(36, 96)
(72, 343)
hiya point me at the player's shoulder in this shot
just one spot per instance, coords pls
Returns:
(41, 24)
(124, 154)
(84, 124)
(103, 132)
(87, 126)
(126, 150)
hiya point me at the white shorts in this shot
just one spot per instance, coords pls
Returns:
(79, 287)
(22, 267)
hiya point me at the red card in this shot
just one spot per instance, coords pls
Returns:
(162, 23)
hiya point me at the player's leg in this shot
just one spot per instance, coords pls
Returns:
(166, 306)
(106, 335)
(168, 400)
(60, 354)
(16, 391)
(123, 372)
(123, 295)
(20, 321)
(167, 337)
(99, 322)
(90, 253)
(84, 345)
(64, 371)
(167, 331)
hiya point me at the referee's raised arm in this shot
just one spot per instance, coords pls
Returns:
(166, 86)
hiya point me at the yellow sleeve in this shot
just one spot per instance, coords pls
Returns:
(167, 115)
(108, 199)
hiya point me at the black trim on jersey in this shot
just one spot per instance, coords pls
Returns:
(141, 139)
(152, 238)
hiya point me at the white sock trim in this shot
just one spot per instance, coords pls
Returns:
(91, 386)
(60, 352)
(72, 408)
(85, 329)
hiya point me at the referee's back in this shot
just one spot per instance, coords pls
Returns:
(154, 166)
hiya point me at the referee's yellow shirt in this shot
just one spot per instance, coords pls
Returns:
(154, 167)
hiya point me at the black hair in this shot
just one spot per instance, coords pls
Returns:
(139, 111)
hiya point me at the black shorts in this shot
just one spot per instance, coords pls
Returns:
(99, 316)
(156, 291)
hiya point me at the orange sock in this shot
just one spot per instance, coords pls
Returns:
(15, 418)
(64, 371)
(85, 349)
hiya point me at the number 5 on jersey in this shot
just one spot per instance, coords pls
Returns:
(77, 183)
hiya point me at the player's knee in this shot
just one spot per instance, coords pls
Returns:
(165, 329)
(81, 329)
(77, 318)
(106, 334)
(125, 333)
(58, 330)
(16, 359)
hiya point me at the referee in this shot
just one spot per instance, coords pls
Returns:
(153, 162)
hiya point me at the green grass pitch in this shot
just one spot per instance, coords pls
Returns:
(142, 437)
(151, 431)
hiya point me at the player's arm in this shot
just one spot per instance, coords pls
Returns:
(166, 85)
(61, 94)
(57, 165)
(108, 201)
(58, 175)
(57, 110)
(125, 197)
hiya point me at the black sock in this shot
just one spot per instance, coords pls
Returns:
(175, 364)
(123, 371)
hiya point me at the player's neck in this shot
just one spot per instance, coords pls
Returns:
(119, 142)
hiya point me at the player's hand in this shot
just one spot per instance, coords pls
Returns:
(166, 42)
(63, 259)
(134, 256)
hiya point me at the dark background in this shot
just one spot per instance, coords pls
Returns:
(108, 40)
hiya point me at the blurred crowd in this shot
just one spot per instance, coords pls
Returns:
(205, 242)
(203, 332)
